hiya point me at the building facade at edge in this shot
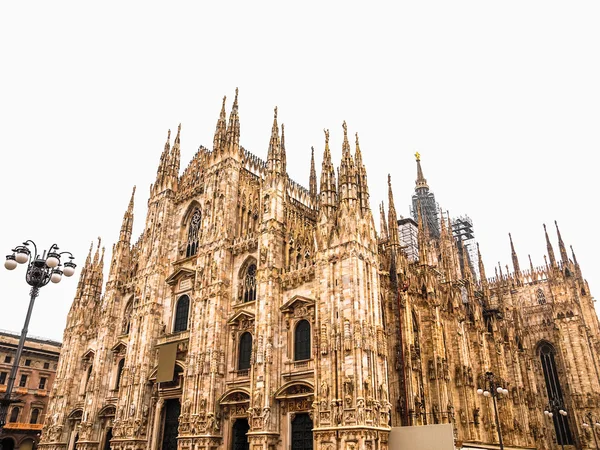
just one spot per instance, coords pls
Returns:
(253, 313)
(33, 383)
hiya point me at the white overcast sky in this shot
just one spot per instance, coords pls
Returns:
(500, 98)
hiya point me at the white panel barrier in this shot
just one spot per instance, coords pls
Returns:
(427, 437)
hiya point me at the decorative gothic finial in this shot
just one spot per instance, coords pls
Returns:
(326, 135)
(418, 156)
(345, 127)
(169, 135)
(276, 112)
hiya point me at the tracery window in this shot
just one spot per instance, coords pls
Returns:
(302, 341)
(561, 424)
(193, 234)
(249, 284)
(541, 298)
(245, 351)
(181, 314)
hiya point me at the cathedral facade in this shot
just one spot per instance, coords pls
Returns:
(253, 313)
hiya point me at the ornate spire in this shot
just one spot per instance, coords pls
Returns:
(313, 175)
(88, 260)
(175, 155)
(392, 216)
(515, 259)
(482, 276)
(550, 249)
(561, 246)
(97, 254)
(574, 257)
(466, 263)
(164, 158)
(233, 129)
(531, 269)
(361, 176)
(276, 154)
(283, 153)
(127, 225)
(221, 130)
(421, 182)
(347, 173)
(328, 196)
(383, 222)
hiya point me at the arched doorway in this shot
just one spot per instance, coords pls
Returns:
(302, 435)
(170, 430)
(7, 444)
(239, 440)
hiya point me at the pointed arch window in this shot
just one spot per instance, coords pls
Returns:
(119, 373)
(249, 284)
(302, 341)
(193, 234)
(181, 314)
(553, 388)
(245, 351)
(35, 414)
(541, 298)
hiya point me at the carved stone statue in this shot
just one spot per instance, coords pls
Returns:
(360, 411)
(324, 389)
(266, 418)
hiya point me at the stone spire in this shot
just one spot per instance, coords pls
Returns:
(164, 158)
(482, 276)
(233, 129)
(426, 203)
(221, 130)
(392, 216)
(561, 246)
(313, 175)
(175, 156)
(550, 249)
(283, 152)
(168, 168)
(276, 155)
(383, 222)
(515, 259)
(363, 186)
(347, 172)
(574, 257)
(127, 225)
(466, 263)
(577, 268)
(328, 194)
(420, 182)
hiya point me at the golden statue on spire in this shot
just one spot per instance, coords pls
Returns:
(418, 156)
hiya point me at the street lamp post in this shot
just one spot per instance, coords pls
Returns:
(492, 388)
(41, 269)
(556, 407)
(592, 423)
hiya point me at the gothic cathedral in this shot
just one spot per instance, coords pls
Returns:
(253, 313)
